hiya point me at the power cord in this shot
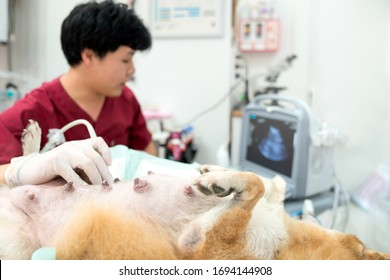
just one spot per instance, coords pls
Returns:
(211, 108)
(271, 76)
(341, 198)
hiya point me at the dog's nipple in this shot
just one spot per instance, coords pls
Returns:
(69, 187)
(188, 190)
(141, 186)
(105, 186)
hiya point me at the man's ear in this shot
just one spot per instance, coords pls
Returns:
(87, 56)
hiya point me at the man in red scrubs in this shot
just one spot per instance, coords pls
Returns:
(99, 41)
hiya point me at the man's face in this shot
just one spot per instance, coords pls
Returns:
(111, 72)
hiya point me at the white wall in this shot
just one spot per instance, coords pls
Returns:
(347, 69)
(27, 47)
(3, 21)
(187, 76)
(57, 11)
(3, 60)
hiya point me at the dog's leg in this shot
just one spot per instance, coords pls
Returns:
(31, 138)
(220, 232)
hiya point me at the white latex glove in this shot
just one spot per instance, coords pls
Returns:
(90, 155)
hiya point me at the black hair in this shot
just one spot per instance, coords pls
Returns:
(102, 27)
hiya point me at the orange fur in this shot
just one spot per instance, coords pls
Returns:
(310, 241)
(106, 232)
(226, 241)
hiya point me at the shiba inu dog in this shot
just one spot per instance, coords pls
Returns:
(220, 214)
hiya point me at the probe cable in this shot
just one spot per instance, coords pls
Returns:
(211, 108)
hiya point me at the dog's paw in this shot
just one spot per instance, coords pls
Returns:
(223, 183)
(205, 168)
(213, 183)
(31, 138)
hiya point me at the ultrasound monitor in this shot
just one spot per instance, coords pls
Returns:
(275, 140)
(271, 143)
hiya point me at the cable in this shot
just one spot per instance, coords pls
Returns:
(211, 108)
(272, 75)
(340, 194)
(335, 206)
(56, 136)
(91, 131)
(346, 201)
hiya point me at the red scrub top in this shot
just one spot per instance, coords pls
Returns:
(120, 121)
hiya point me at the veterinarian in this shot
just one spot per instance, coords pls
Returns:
(99, 41)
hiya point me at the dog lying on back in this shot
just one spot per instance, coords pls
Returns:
(221, 214)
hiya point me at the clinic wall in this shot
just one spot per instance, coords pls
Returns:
(349, 43)
(35, 44)
(3, 61)
(185, 76)
(25, 50)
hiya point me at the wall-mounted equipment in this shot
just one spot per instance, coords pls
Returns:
(187, 19)
(259, 35)
(258, 30)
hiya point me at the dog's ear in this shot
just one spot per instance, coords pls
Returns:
(374, 255)
(275, 189)
(360, 252)
(280, 187)
(191, 240)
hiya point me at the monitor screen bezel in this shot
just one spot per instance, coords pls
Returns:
(279, 115)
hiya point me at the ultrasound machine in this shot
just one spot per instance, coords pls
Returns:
(280, 136)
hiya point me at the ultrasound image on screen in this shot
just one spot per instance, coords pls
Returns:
(271, 144)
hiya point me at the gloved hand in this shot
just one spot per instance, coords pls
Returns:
(91, 156)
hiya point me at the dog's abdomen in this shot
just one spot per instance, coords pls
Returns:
(104, 232)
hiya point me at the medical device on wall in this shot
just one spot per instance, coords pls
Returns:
(258, 30)
(259, 35)
(281, 137)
